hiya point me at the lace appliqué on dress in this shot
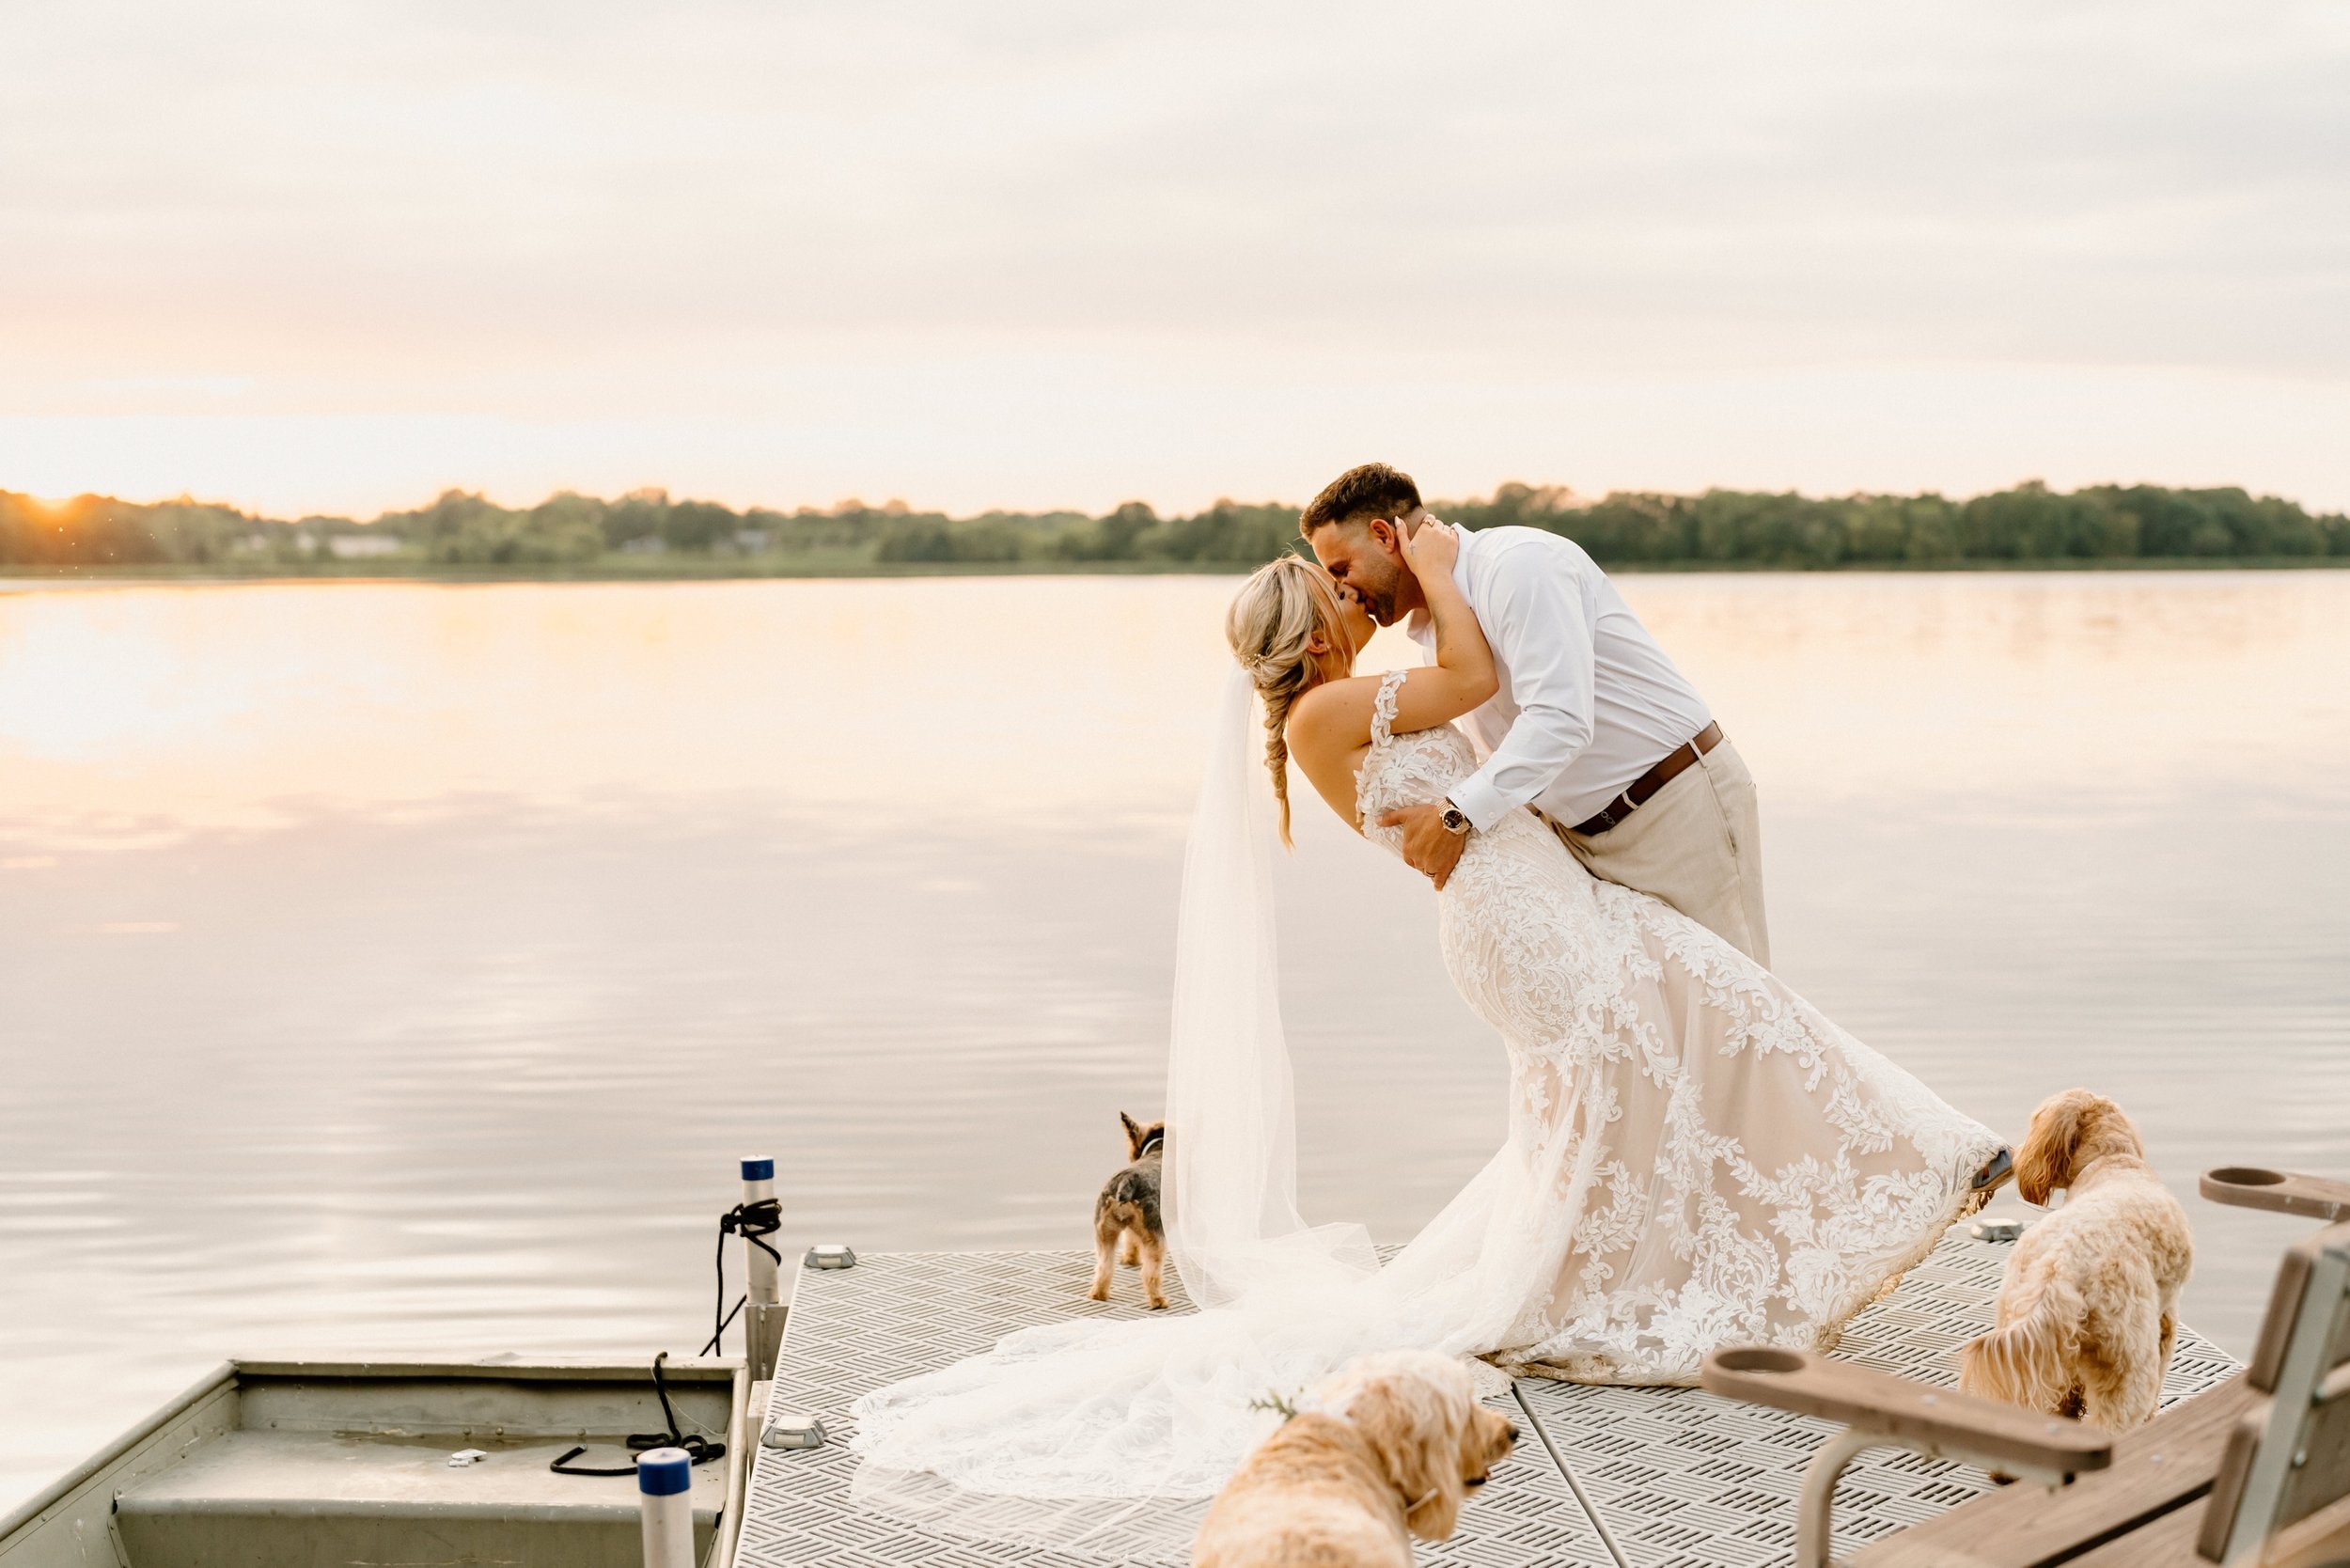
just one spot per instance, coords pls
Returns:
(1383, 707)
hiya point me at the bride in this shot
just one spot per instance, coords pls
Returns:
(1695, 1155)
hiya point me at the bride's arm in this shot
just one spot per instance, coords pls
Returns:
(1462, 676)
(1331, 725)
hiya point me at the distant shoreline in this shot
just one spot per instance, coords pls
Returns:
(646, 535)
(640, 568)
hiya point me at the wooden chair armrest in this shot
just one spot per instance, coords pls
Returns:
(1939, 1421)
(2250, 1187)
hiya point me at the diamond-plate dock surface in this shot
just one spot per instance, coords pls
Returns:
(895, 1314)
(1684, 1480)
(1678, 1478)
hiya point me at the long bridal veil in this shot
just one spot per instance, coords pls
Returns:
(1111, 1432)
(1232, 1224)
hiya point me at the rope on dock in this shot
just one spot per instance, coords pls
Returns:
(754, 1223)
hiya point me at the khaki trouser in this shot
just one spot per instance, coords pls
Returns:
(1697, 844)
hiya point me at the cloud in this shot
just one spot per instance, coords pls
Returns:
(1002, 253)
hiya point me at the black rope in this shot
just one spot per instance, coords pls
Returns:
(753, 1222)
(698, 1448)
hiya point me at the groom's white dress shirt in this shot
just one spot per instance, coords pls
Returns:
(1588, 703)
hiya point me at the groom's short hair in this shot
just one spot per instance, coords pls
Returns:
(1361, 494)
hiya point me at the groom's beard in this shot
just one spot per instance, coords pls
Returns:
(1378, 598)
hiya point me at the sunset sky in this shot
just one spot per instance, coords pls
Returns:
(1035, 253)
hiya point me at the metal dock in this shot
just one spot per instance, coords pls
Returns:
(1602, 1477)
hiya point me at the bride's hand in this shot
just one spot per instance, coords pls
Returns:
(1432, 547)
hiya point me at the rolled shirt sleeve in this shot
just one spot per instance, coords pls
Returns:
(1535, 616)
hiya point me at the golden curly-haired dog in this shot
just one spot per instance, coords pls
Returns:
(2088, 1310)
(1391, 1445)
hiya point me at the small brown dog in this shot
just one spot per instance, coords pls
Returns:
(1126, 1217)
(1391, 1446)
(2088, 1310)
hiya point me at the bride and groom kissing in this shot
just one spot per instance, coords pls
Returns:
(1694, 1155)
(1587, 723)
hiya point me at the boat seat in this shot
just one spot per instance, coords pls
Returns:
(293, 1499)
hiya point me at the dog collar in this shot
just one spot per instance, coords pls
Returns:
(2080, 1176)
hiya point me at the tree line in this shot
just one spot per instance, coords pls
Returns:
(2028, 524)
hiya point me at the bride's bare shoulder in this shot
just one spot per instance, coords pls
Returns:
(1328, 729)
(1334, 710)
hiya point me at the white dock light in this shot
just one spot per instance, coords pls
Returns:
(794, 1431)
(664, 1492)
(829, 1255)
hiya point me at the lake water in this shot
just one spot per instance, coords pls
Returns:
(404, 967)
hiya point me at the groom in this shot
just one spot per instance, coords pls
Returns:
(1594, 726)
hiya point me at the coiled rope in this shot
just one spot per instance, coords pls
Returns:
(754, 1223)
(698, 1447)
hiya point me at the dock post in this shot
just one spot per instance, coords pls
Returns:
(763, 1308)
(664, 1495)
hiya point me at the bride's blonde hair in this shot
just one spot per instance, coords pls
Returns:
(1272, 617)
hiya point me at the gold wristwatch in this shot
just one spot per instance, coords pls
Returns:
(1455, 820)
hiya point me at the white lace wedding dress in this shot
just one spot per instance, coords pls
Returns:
(1696, 1157)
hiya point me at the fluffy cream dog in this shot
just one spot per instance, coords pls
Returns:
(2088, 1309)
(1390, 1446)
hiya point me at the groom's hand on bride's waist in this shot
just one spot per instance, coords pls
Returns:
(1429, 846)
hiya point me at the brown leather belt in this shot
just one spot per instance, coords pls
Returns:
(1644, 788)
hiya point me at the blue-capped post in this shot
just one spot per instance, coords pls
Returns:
(758, 1264)
(664, 1492)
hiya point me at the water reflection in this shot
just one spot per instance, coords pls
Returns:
(392, 967)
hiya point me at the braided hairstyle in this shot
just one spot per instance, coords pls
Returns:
(1272, 617)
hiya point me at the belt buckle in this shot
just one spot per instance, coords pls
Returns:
(1616, 811)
